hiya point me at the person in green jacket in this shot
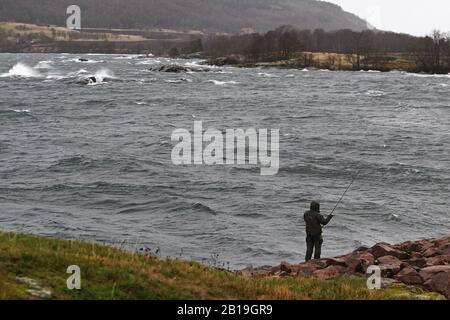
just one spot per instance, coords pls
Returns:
(314, 222)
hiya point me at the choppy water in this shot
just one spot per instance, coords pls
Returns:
(93, 162)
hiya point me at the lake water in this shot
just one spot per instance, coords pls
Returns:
(93, 162)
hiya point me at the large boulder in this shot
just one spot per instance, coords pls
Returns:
(389, 270)
(384, 249)
(335, 262)
(417, 262)
(431, 252)
(285, 267)
(305, 269)
(439, 283)
(256, 272)
(409, 276)
(389, 265)
(414, 246)
(88, 80)
(389, 260)
(361, 249)
(358, 262)
(442, 241)
(437, 278)
(247, 272)
(428, 272)
(444, 249)
(329, 272)
(438, 260)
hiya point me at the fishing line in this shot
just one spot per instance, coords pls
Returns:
(346, 190)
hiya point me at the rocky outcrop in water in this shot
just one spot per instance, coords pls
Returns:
(87, 80)
(224, 61)
(174, 68)
(424, 263)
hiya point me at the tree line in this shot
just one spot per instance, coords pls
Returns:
(362, 50)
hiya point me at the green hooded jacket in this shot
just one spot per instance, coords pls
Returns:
(314, 220)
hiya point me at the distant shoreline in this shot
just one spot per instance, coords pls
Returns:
(291, 64)
(247, 51)
(297, 64)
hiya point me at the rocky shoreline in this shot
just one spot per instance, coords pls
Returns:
(423, 263)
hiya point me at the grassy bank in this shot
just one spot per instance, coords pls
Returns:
(109, 273)
(324, 60)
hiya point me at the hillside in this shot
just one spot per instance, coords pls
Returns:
(35, 268)
(207, 15)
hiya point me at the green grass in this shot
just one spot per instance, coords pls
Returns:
(110, 273)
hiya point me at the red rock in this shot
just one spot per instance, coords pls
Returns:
(430, 252)
(444, 249)
(329, 272)
(439, 283)
(412, 246)
(275, 269)
(320, 263)
(428, 272)
(409, 276)
(437, 278)
(438, 260)
(247, 272)
(361, 249)
(281, 274)
(366, 257)
(389, 270)
(383, 249)
(285, 267)
(417, 262)
(335, 262)
(392, 265)
(305, 269)
(359, 262)
(442, 241)
(389, 260)
(416, 255)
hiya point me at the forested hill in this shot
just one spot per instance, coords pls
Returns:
(209, 15)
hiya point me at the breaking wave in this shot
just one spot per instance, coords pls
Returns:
(375, 93)
(22, 70)
(223, 83)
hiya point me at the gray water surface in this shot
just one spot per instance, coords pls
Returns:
(94, 162)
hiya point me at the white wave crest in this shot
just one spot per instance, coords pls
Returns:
(43, 65)
(375, 93)
(223, 83)
(21, 70)
(179, 80)
(266, 75)
(104, 74)
(424, 75)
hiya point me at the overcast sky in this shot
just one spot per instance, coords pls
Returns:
(417, 17)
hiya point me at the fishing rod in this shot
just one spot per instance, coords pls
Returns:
(345, 192)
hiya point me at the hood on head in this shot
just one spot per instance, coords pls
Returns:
(315, 206)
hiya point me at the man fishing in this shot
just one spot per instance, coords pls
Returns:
(314, 222)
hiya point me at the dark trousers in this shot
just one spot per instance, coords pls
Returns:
(313, 243)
